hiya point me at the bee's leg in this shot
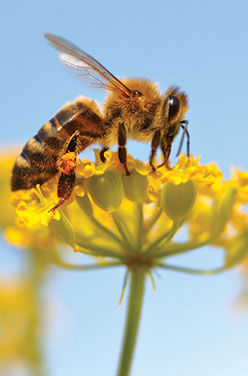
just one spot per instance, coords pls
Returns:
(185, 131)
(154, 146)
(103, 159)
(166, 150)
(122, 151)
(65, 187)
(67, 178)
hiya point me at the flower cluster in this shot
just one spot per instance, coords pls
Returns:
(117, 219)
(137, 217)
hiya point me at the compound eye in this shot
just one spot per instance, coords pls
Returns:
(174, 106)
(137, 93)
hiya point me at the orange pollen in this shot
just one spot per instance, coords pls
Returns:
(68, 162)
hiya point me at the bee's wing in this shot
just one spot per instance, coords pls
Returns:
(85, 66)
(82, 71)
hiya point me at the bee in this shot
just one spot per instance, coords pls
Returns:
(134, 108)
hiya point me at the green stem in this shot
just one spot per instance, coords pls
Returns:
(179, 248)
(100, 251)
(140, 226)
(67, 266)
(192, 271)
(105, 230)
(123, 232)
(153, 220)
(136, 294)
(164, 239)
(34, 330)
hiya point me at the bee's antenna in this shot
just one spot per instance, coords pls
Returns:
(185, 131)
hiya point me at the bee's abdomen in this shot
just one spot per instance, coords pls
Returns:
(37, 162)
(39, 159)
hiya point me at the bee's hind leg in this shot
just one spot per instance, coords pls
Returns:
(65, 188)
(67, 178)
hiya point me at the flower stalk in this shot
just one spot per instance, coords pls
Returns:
(135, 302)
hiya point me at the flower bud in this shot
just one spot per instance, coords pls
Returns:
(135, 186)
(237, 250)
(222, 211)
(63, 230)
(178, 200)
(106, 190)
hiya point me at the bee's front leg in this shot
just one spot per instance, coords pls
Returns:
(185, 131)
(122, 151)
(154, 145)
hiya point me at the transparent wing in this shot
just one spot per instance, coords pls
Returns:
(83, 72)
(85, 67)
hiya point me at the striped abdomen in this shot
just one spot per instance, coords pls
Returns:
(40, 158)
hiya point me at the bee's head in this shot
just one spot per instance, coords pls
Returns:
(172, 110)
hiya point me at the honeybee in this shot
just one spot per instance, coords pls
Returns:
(134, 108)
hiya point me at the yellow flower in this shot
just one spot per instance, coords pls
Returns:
(190, 169)
(19, 235)
(126, 212)
(7, 212)
(34, 206)
(39, 237)
(240, 180)
(97, 181)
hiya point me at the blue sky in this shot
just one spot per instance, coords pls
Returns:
(188, 326)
